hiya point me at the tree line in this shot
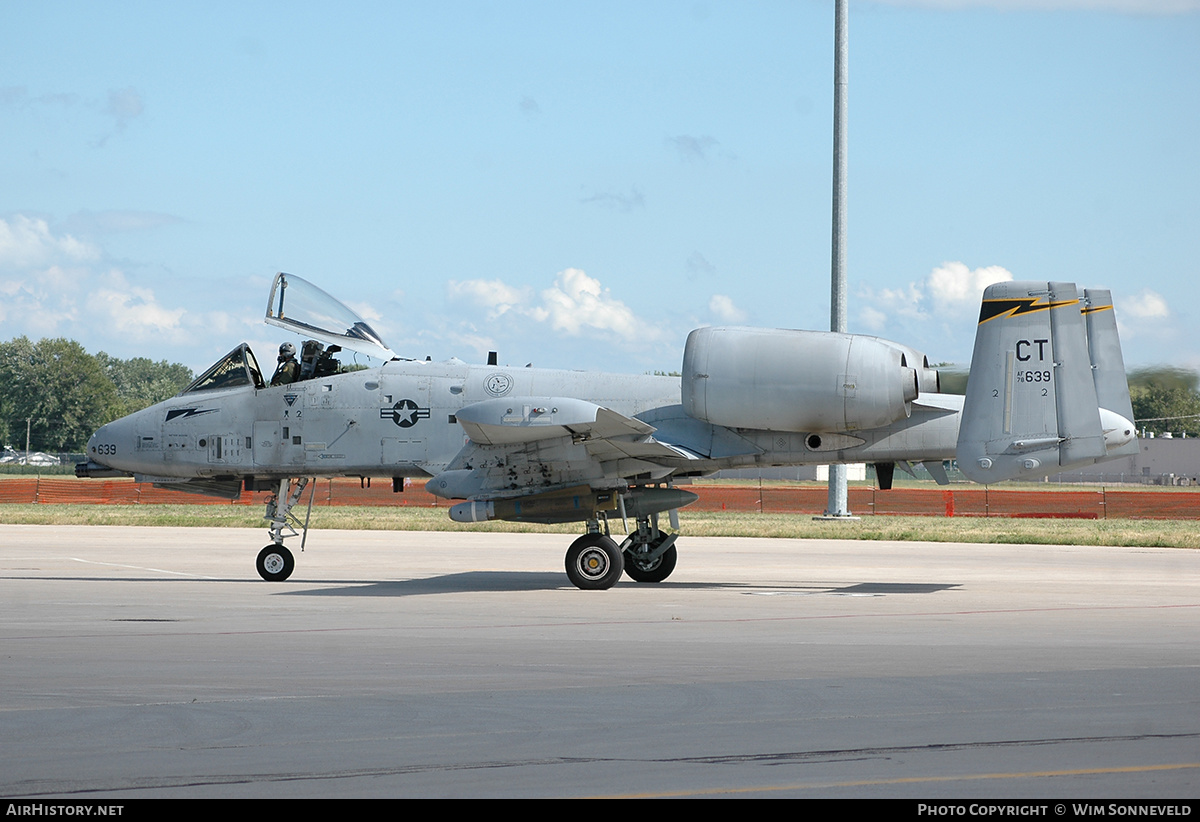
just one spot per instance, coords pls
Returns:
(64, 393)
(1166, 399)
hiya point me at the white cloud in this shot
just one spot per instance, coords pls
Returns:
(953, 285)
(949, 289)
(27, 242)
(907, 301)
(1147, 318)
(578, 301)
(576, 305)
(52, 284)
(873, 320)
(933, 312)
(495, 295)
(723, 309)
(479, 343)
(1145, 305)
(133, 311)
(367, 311)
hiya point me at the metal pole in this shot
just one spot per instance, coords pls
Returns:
(838, 505)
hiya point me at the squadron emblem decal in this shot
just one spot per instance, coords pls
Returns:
(498, 384)
(405, 413)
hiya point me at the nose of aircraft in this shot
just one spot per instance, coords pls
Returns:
(109, 450)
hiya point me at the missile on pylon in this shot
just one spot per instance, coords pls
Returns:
(565, 505)
(572, 505)
(642, 502)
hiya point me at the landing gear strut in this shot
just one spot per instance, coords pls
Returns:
(650, 554)
(275, 562)
(595, 562)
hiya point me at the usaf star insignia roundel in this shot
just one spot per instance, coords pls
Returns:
(405, 413)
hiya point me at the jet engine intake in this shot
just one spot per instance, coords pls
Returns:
(799, 381)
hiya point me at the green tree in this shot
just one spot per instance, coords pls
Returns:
(141, 382)
(1166, 398)
(59, 388)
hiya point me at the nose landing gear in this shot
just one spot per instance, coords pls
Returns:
(275, 562)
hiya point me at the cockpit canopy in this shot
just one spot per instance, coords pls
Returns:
(298, 305)
(236, 368)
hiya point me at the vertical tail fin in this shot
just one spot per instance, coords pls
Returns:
(1032, 404)
(1108, 369)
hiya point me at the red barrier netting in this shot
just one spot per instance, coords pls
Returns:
(965, 501)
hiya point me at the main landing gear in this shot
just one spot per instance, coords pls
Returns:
(595, 561)
(275, 562)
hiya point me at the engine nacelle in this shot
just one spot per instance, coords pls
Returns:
(800, 381)
(929, 381)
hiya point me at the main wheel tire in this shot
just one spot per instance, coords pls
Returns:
(656, 570)
(594, 562)
(275, 563)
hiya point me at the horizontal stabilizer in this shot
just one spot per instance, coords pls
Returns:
(937, 470)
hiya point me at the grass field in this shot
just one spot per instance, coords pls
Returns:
(1148, 533)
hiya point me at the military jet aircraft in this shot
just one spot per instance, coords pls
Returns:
(1046, 393)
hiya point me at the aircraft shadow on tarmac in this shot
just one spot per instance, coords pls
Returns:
(512, 581)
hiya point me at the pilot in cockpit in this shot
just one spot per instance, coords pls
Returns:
(289, 369)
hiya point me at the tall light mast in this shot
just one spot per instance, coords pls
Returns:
(837, 505)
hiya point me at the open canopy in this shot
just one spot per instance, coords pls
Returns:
(298, 305)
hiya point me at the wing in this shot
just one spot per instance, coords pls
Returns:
(526, 445)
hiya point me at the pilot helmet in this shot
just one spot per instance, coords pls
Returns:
(287, 351)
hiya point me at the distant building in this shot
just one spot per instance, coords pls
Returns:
(855, 472)
(1160, 461)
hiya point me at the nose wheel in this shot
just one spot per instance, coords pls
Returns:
(275, 563)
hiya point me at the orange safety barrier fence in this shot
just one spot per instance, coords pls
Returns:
(965, 501)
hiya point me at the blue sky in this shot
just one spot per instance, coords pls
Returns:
(578, 185)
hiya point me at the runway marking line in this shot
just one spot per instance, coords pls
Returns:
(140, 568)
(911, 780)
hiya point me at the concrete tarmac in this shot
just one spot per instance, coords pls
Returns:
(153, 662)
